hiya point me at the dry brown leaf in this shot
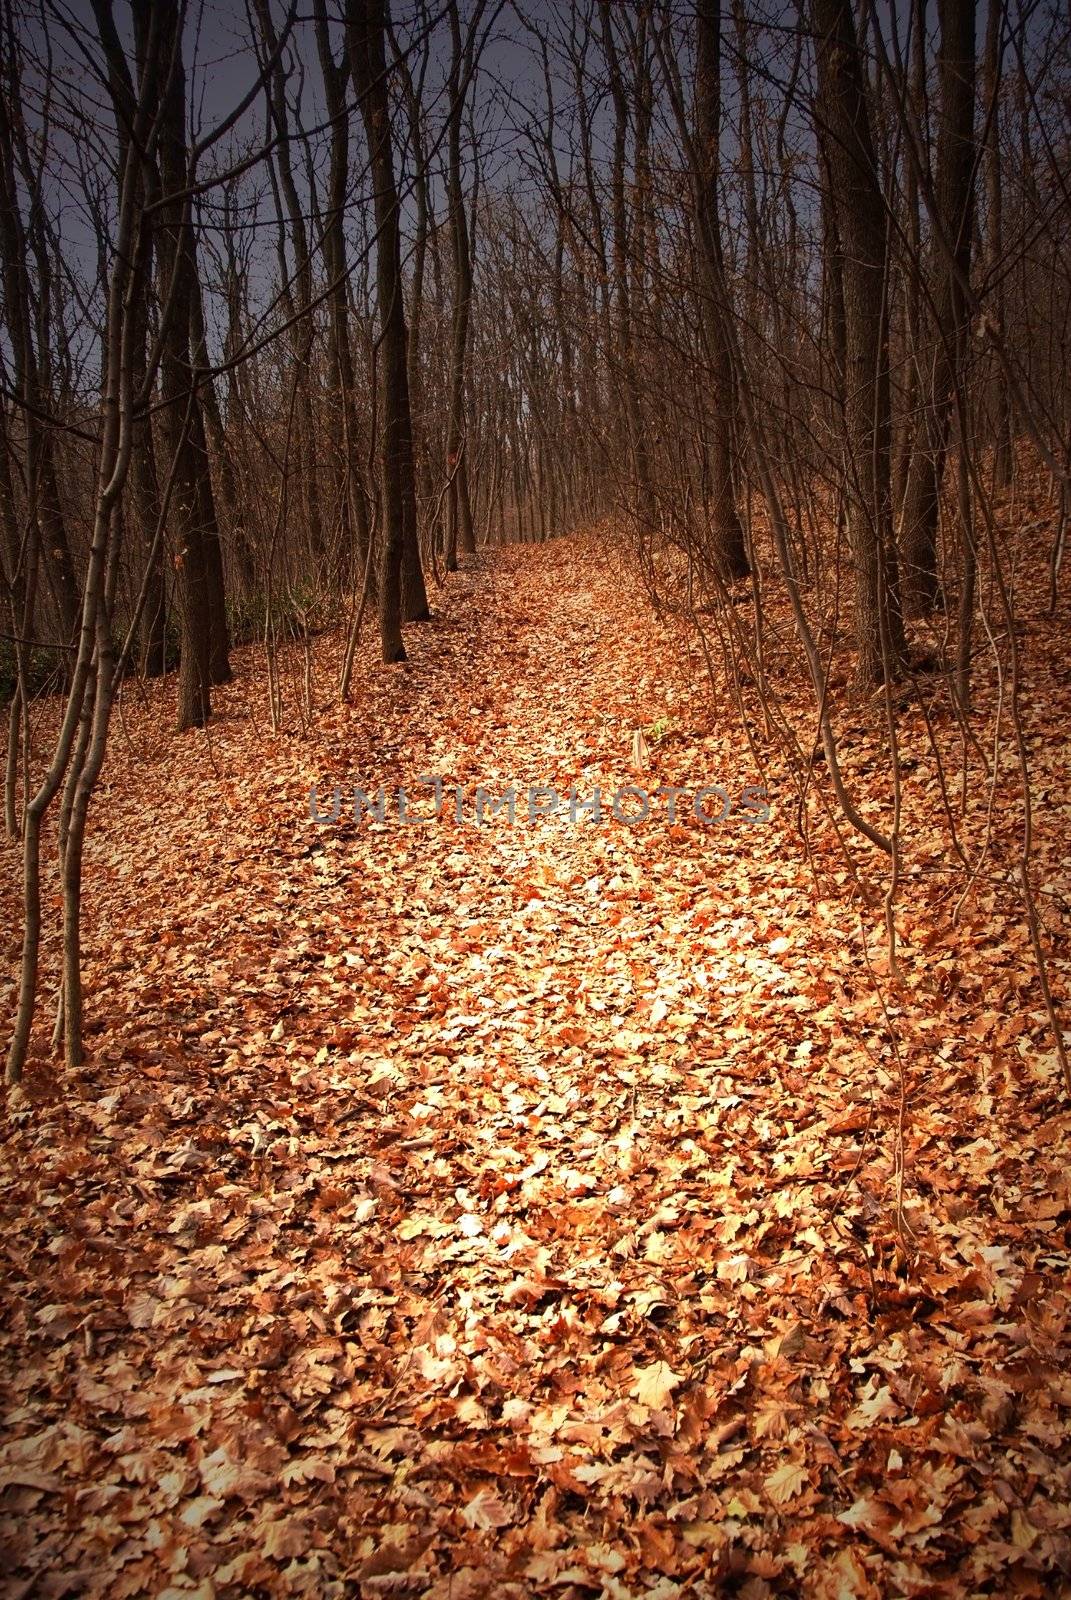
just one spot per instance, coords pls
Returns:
(785, 1482)
(486, 1510)
(654, 1385)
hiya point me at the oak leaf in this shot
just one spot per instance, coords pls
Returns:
(785, 1482)
(653, 1385)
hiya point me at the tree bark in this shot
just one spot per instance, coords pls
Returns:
(994, 242)
(304, 328)
(622, 351)
(461, 537)
(176, 274)
(951, 227)
(31, 367)
(349, 489)
(145, 496)
(730, 550)
(843, 118)
(365, 28)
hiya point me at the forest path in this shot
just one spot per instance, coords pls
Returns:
(466, 1210)
(486, 938)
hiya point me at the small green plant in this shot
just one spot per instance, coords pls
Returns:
(660, 727)
(293, 613)
(43, 671)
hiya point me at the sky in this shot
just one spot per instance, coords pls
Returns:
(222, 66)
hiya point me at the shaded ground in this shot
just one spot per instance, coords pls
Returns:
(468, 1210)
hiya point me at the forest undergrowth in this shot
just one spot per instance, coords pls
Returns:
(578, 1208)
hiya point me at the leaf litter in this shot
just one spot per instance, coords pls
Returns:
(487, 1211)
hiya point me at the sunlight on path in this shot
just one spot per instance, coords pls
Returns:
(453, 1208)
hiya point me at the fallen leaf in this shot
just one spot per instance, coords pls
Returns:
(653, 1385)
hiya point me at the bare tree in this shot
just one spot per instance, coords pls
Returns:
(705, 163)
(951, 222)
(464, 54)
(366, 24)
(855, 201)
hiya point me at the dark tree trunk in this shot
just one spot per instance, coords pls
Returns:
(145, 497)
(855, 194)
(623, 348)
(413, 89)
(226, 488)
(365, 28)
(176, 273)
(205, 420)
(915, 100)
(304, 328)
(1001, 419)
(30, 369)
(952, 227)
(460, 510)
(348, 486)
(730, 551)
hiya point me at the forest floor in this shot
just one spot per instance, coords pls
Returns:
(494, 1210)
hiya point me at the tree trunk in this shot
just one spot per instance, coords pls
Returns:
(730, 551)
(951, 226)
(29, 364)
(462, 68)
(365, 26)
(843, 120)
(304, 328)
(349, 490)
(145, 496)
(622, 351)
(176, 274)
(1001, 420)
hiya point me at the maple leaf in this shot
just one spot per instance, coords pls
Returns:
(653, 1385)
(785, 1482)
